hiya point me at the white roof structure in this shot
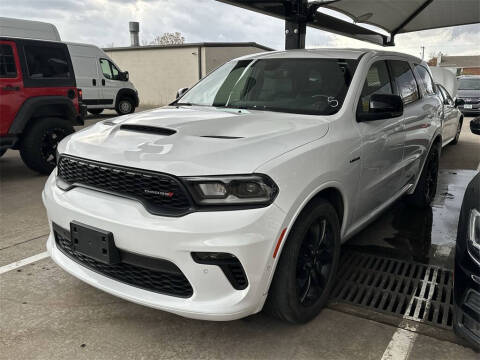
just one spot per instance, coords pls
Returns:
(393, 16)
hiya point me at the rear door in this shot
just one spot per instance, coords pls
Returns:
(11, 85)
(419, 112)
(382, 146)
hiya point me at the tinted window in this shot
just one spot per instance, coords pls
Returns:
(469, 84)
(377, 82)
(306, 86)
(407, 86)
(7, 62)
(107, 71)
(47, 62)
(426, 79)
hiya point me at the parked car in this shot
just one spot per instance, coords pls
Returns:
(451, 116)
(469, 91)
(39, 100)
(103, 84)
(467, 262)
(239, 194)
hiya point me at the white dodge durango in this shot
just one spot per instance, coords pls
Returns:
(238, 195)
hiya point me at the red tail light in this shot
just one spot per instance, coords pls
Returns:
(79, 94)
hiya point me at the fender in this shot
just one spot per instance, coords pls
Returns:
(129, 93)
(290, 221)
(60, 106)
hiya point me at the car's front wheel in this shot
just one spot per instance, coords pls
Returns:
(39, 144)
(427, 184)
(306, 270)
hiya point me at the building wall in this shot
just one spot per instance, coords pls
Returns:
(471, 71)
(158, 73)
(216, 56)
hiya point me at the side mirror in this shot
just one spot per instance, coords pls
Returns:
(459, 102)
(180, 92)
(124, 76)
(382, 106)
(475, 125)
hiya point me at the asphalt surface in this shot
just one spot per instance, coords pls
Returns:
(47, 314)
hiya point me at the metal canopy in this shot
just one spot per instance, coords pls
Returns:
(393, 16)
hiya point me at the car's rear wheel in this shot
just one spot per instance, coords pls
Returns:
(457, 134)
(95, 111)
(39, 144)
(125, 106)
(307, 266)
(427, 184)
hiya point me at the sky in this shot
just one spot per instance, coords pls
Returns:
(105, 23)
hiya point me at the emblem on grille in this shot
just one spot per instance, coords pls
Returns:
(163, 194)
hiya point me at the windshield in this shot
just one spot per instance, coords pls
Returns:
(304, 86)
(469, 84)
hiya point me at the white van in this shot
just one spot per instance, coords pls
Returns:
(28, 29)
(103, 84)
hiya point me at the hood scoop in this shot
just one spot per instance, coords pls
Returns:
(148, 129)
(222, 137)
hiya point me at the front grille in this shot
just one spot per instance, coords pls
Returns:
(156, 275)
(161, 194)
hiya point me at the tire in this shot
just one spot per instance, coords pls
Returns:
(95, 111)
(427, 184)
(459, 130)
(124, 106)
(2, 152)
(39, 144)
(291, 297)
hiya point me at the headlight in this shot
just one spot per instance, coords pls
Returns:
(256, 189)
(473, 241)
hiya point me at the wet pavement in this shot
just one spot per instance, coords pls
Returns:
(421, 235)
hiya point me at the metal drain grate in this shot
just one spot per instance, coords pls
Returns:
(411, 290)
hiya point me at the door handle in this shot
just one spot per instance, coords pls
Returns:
(94, 82)
(11, 88)
(103, 82)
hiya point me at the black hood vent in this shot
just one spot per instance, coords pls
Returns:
(148, 129)
(222, 137)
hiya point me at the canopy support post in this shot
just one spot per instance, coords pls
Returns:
(296, 18)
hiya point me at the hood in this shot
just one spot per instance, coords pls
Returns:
(446, 78)
(187, 141)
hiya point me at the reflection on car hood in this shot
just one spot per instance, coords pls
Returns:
(205, 140)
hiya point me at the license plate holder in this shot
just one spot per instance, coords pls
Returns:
(468, 106)
(95, 243)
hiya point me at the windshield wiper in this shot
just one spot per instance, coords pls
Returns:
(183, 104)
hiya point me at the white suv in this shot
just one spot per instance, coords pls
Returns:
(239, 194)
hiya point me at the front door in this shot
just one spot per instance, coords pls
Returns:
(382, 147)
(11, 85)
(110, 82)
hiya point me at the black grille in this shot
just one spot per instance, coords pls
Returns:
(161, 194)
(156, 275)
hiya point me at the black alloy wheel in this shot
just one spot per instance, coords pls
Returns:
(306, 270)
(314, 263)
(51, 138)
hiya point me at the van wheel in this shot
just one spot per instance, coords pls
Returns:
(38, 146)
(306, 270)
(95, 111)
(124, 106)
(457, 135)
(427, 184)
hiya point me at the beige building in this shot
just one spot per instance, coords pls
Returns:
(158, 71)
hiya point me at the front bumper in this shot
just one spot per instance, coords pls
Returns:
(250, 235)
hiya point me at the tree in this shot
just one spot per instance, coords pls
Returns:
(168, 39)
